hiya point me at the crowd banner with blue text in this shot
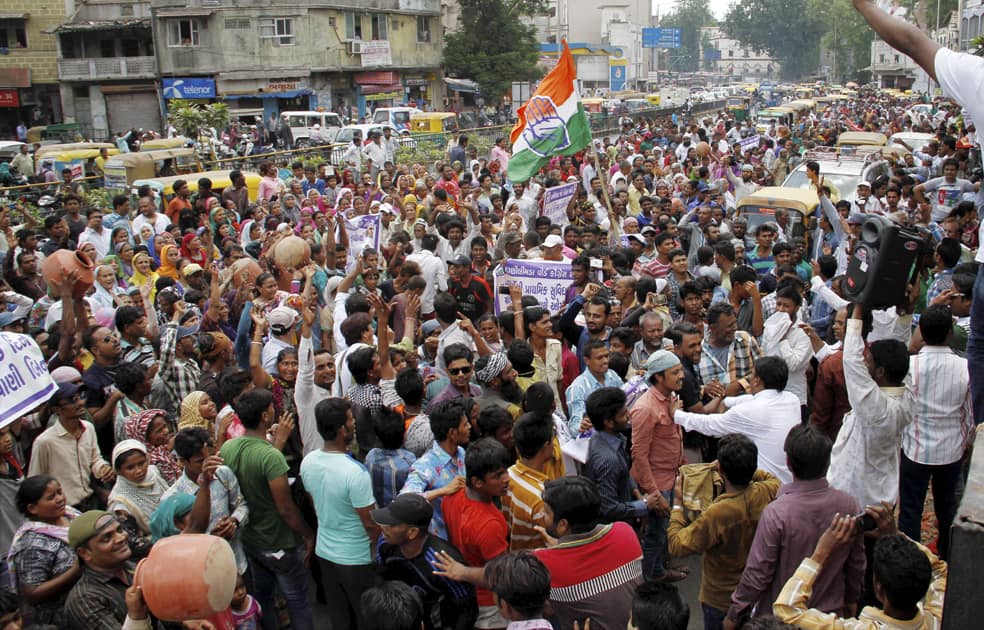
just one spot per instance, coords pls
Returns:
(546, 280)
(556, 200)
(750, 142)
(363, 232)
(189, 88)
(25, 382)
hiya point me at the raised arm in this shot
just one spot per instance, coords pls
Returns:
(900, 35)
(261, 378)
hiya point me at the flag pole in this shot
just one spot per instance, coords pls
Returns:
(613, 229)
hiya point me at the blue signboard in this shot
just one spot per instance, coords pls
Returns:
(712, 54)
(189, 88)
(616, 77)
(660, 38)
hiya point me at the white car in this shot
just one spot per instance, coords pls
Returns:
(397, 117)
(841, 172)
(302, 125)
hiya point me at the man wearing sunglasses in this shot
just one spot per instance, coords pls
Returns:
(68, 451)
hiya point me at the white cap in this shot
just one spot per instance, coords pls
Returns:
(553, 240)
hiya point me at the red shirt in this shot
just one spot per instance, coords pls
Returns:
(478, 530)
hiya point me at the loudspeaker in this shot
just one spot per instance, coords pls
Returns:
(879, 268)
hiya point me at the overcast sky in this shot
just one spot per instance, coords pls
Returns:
(718, 7)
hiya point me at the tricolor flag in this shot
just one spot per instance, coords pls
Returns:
(551, 123)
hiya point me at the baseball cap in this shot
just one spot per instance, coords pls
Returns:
(192, 268)
(638, 238)
(7, 318)
(460, 260)
(430, 326)
(406, 509)
(553, 240)
(647, 230)
(185, 331)
(856, 218)
(87, 525)
(864, 183)
(65, 391)
(282, 319)
(702, 186)
(660, 361)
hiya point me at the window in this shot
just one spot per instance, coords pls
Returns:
(131, 48)
(731, 53)
(107, 48)
(281, 30)
(353, 26)
(423, 29)
(744, 54)
(13, 33)
(378, 27)
(183, 33)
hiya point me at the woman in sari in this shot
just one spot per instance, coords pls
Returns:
(107, 293)
(191, 248)
(124, 254)
(142, 273)
(169, 260)
(43, 567)
(137, 492)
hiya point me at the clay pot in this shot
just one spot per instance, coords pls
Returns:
(251, 268)
(189, 576)
(703, 149)
(63, 261)
(292, 252)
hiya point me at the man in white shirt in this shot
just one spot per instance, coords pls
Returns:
(933, 445)
(150, 217)
(865, 458)
(765, 416)
(782, 338)
(375, 153)
(432, 268)
(96, 234)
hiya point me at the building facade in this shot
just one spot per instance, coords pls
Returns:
(263, 56)
(107, 69)
(28, 63)
(730, 57)
(971, 22)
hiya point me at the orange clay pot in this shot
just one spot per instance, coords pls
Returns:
(292, 252)
(63, 261)
(189, 576)
(703, 149)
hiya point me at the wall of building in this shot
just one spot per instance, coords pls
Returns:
(37, 64)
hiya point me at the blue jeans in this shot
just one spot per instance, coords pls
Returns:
(654, 552)
(713, 618)
(287, 573)
(975, 349)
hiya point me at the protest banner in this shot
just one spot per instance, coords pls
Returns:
(545, 280)
(25, 382)
(555, 201)
(363, 232)
(750, 142)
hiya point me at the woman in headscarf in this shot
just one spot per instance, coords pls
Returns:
(198, 410)
(151, 429)
(107, 292)
(169, 260)
(344, 201)
(43, 567)
(291, 207)
(142, 273)
(124, 254)
(137, 492)
(191, 248)
(217, 215)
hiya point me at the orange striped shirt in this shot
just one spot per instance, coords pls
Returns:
(523, 507)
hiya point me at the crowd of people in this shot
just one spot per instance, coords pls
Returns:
(379, 432)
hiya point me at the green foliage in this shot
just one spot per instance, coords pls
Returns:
(192, 119)
(494, 46)
(851, 36)
(977, 45)
(788, 31)
(689, 16)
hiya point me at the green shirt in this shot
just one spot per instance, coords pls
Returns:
(256, 463)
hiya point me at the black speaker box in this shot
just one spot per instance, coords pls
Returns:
(879, 268)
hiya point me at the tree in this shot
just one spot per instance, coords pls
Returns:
(689, 16)
(851, 37)
(191, 119)
(493, 46)
(788, 31)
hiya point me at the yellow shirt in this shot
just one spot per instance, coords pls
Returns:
(523, 507)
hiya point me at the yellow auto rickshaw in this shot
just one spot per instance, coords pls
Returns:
(740, 107)
(593, 105)
(122, 170)
(433, 122)
(52, 134)
(861, 138)
(71, 158)
(654, 98)
(760, 207)
(164, 186)
(53, 149)
(166, 143)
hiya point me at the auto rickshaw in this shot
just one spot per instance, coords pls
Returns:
(122, 170)
(593, 105)
(49, 150)
(760, 207)
(54, 134)
(740, 107)
(166, 143)
(164, 186)
(434, 122)
(71, 158)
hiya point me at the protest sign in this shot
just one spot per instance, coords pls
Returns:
(545, 280)
(25, 382)
(555, 201)
(363, 232)
(749, 143)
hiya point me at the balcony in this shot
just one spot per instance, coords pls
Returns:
(106, 68)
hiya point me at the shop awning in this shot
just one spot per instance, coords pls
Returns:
(184, 12)
(287, 94)
(465, 86)
(100, 25)
(379, 89)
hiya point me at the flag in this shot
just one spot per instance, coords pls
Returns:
(551, 123)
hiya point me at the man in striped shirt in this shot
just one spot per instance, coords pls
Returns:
(933, 445)
(523, 505)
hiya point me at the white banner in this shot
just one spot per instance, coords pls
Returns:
(556, 200)
(750, 142)
(363, 232)
(546, 280)
(25, 382)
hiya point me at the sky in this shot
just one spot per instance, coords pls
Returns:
(718, 7)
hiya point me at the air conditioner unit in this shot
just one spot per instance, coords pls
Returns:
(355, 46)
